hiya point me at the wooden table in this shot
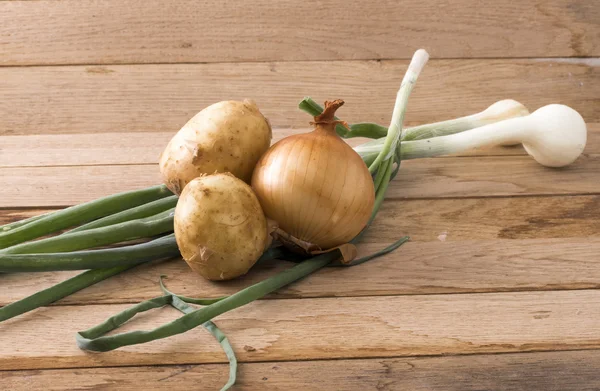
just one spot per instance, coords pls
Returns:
(498, 288)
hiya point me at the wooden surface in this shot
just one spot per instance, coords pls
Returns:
(163, 97)
(551, 371)
(498, 287)
(142, 31)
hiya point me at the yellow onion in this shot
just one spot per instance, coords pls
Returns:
(315, 186)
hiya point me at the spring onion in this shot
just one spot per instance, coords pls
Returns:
(90, 259)
(81, 213)
(138, 212)
(96, 237)
(59, 291)
(19, 223)
(181, 303)
(498, 111)
(554, 135)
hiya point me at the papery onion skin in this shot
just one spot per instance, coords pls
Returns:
(220, 228)
(228, 136)
(315, 186)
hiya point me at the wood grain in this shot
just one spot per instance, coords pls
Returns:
(543, 371)
(468, 228)
(144, 147)
(503, 257)
(162, 98)
(457, 177)
(414, 269)
(116, 148)
(137, 31)
(466, 219)
(269, 330)
(493, 176)
(473, 256)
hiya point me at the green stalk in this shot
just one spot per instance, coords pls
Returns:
(379, 253)
(442, 128)
(181, 303)
(82, 213)
(163, 247)
(200, 301)
(20, 223)
(59, 291)
(387, 168)
(395, 130)
(225, 345)
(365, 129)
(139, 212)
(93, 339)
(380, 176)
(96, 237)
(501, 110)
(370, 157)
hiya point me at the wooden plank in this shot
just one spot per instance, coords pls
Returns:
(55, 32)
(466, 219)
(109, 148)
(493, 176)
(543, 371)
(327, 328)
(144, 147)
(63, 186)
(161, 98)
(458, 177)
(467, 227)
(417, 268)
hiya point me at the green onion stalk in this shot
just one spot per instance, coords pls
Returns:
(129, 230)
(94, 339)
(59, 291)
(501, 110)
(79, 214)
(181, 304)
(162, 247)
(420, 141)
(139, 212)
(16, 224)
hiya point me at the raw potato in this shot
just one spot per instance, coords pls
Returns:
(220, 227)
(228, 136)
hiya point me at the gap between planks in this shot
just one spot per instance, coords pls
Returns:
(584, 60)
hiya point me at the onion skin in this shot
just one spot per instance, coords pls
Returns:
(220, 228)
(315, 186)
(228, 136)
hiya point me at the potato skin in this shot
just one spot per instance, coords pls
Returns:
(220, 227)
(228, 136)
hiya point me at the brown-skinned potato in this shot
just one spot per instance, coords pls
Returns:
(220, 227)
(228, 136)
